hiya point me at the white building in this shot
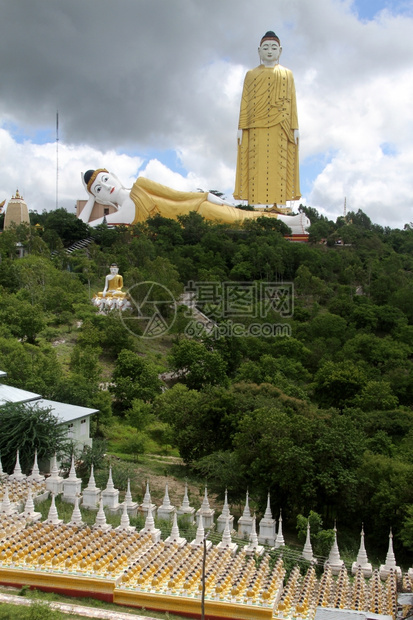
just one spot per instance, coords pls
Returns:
(74, 417)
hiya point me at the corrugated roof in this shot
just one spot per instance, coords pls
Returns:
(63, 411)
(10, 394)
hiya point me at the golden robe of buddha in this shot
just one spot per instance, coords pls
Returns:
(113, 284)
(267, 161)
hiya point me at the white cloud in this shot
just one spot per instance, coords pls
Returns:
(172, 82)
(31, 168)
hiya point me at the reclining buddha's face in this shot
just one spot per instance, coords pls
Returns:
(106, 187)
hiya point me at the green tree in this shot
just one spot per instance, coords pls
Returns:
(66, 225)
(134, 378)
(321, 539)
(84, 362)
(25, 321)
(140, 414)
(376, 395)
(27, 428)
(336, 384)
(196, 365)
(406, 533)
(202, 422)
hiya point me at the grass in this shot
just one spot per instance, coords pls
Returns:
(87, 602)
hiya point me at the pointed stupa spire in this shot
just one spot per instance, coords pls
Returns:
(149, 527)
(29, 512)
(334, 555)
(166, 501)
(205, 502)
(149, 521)
(54, 472)
(147, 501)
(29, 505)
(390, 561)
(76, 514)
(308, 549)
(362, 554)
(17, 468)
(6, 505)
(185, 502)
(268, 513)
(54, 483)
(110, 486)
(175, 537)
(253, 535)
(101, 518)
(92, 483)
(390, 557)
(226, 536)
(53, 516)
(226, 542)
(225, 508)
(280, 542)
(206, 511)
(124, 520)
(200, 535)
(247, 512)
(334, 560)
(35, 469)
(17, 473)
(254, 548)
(72, 472)
(175, 529)
(362, 561)
(128, 495)
(200, 532)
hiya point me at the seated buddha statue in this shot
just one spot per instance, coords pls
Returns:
(112, 295)
(113, 284)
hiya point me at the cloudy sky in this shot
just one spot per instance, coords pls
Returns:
(152, 88)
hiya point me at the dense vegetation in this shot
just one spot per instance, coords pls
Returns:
(321, 419)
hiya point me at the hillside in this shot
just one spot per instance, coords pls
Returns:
(317, 410)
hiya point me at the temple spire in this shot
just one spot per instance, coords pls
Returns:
(76, 514)
(92, 483)
(308, 550)
(100, 522)
(268, 513)
(175, 537)
(362, 560)
(334, 560)
(246, 512)
(110, 486)
(53, 516)
(280, 542)
(391, 563)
